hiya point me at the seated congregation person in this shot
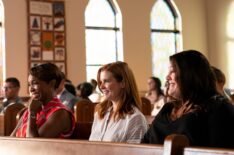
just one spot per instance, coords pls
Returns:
(46, 116)
(196, 109)
(84, 90)
(95, 96)
(117, 117)
(70, 88)
(11, 88)
(67, 98)
(220, 82)
(155, 95)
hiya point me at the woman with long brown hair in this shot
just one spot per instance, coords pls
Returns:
(195, 108)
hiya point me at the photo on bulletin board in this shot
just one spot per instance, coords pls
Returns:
(59, 39)
(35, 53)
(61, 66)
(35, 22)
(58, 9)
(59, 24)
(40, 8)
(35, 37)
(47, 23)
(47, 41)
(59, 53)
(47, 55)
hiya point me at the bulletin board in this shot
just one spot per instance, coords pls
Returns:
(47, 33)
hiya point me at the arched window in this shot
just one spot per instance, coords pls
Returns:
(2, 43)
(165, 36)
(103, 35)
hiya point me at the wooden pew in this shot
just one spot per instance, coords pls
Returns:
(26, 146)
(82, 130)
(206, 151)
(36, 146)
(8, 119)
(84, 114)
(174, 144)
(84, 111)
(146, 106)
(180, 146)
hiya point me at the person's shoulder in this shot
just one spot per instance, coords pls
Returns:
(219, 100)
(19, 100)
(219, 103)
(68, 95)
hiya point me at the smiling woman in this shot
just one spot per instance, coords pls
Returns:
(46, 116)
(194, 108)
(118, 117)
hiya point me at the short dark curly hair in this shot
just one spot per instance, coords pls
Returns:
(14, 81)
(47, 72)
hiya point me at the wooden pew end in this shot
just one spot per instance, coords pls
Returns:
(174, 144)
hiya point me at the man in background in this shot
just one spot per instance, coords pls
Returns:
(65, 96)
(11, 88)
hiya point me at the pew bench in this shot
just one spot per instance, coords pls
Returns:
(177, 145)
(36, 146)
(206, 151)
(8, 119)
(173, 145)
(44, 146)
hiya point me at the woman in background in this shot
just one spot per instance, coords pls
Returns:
(220, 82)
(155, 95)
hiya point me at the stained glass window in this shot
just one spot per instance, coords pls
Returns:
(165, 36)
(103, 35)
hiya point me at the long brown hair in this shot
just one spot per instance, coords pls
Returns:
(129, 97)
(194, 76)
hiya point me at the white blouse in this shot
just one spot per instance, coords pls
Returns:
(130, 129)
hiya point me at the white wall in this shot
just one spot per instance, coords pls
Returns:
(218, 39)
(194, 24)
(136, 36)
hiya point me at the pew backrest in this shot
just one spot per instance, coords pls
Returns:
(179, 145)
(146, 106)
(82, 130)
(84, 111)
(35, 146)
(174, 144)
(206, 151)
(10, 117)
